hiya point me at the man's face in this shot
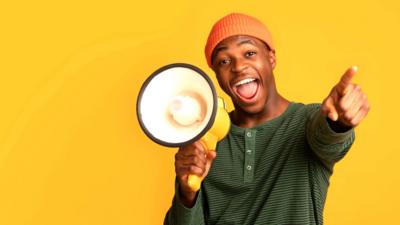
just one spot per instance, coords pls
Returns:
(244, 66)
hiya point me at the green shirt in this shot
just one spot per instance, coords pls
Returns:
(275, 173)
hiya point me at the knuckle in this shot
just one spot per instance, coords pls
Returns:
(192, 168)
(197, 144)
(197, 151)
(201, 155)
(200, 149)
(192, 147)
(195, 160)
(348, 116)
(353, 122)
(195, 170)
(343, 105)
(367, 107)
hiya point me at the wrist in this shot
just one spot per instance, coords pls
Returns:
(337, 126)
(187, 197)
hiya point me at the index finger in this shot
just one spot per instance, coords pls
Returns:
(200, 146)
(190, 148)
(348, 75)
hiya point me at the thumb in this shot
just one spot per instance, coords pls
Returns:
(328, 109)
(210, 156)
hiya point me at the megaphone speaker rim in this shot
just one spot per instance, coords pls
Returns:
(146, 83)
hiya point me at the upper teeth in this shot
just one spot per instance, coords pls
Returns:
(245, 81)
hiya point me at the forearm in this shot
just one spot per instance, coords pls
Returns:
(188, 199)
(181, 214)
(327, 139)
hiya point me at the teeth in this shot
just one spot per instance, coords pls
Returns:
(245, 81)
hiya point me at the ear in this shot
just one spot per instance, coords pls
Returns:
(272, 58)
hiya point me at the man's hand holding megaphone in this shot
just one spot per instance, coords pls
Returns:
(192, 159)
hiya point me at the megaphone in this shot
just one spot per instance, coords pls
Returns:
(178, 105)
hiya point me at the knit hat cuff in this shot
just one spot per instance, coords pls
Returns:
(236, 24)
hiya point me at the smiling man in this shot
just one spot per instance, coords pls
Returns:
(274, 165)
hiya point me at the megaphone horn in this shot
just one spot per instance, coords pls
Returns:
(178, 105)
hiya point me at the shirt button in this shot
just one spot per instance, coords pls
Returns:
(248, 151)
(248, 167)
(248, 134)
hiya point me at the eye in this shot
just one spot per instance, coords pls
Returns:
(224, 62)
(250, 53)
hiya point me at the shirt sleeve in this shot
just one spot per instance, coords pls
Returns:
(328, 145)
(179, 214)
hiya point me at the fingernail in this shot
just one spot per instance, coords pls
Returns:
(333, 116)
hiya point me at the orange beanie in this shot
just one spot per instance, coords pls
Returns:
(236, 24)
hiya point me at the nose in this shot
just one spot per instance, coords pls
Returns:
(239, 65)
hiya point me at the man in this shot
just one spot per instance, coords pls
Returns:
(274, 165)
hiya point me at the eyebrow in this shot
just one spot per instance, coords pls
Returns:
(223, 48)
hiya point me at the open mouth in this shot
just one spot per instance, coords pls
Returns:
(246, 89)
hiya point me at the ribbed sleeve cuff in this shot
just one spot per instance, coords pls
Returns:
(187, 216)
(327, 144)
(329, 136)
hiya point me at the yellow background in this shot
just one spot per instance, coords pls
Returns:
(72, 152)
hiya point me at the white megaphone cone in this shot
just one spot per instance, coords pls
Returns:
(178, 105)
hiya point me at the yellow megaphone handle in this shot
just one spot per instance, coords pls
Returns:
(194, 182)
(209, 141)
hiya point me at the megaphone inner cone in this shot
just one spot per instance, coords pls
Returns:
(187, 109)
